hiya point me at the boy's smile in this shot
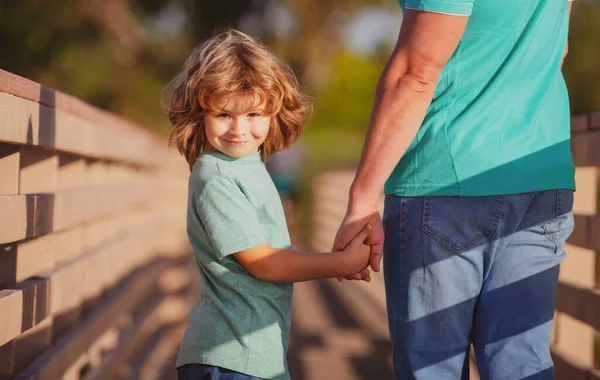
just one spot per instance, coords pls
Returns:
(236, 129)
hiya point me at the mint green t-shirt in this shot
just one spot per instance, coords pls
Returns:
(240, 322)
(499, 119)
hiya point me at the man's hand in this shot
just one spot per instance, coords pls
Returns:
(354, 222)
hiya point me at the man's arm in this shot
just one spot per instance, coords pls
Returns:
(426, 42)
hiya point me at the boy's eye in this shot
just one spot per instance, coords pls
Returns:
(222, 114)
(254, 114)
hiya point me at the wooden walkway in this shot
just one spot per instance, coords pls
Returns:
(339, 331)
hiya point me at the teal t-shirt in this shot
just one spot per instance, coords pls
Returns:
(240, 322)
(499, 119)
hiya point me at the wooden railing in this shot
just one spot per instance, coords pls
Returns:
(575, 342)
(94, 261)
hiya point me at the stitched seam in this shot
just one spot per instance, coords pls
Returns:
(401, 282)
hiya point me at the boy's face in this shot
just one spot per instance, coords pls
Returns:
(235, 129)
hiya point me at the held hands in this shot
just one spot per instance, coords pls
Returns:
(356, 254)
(351, 229)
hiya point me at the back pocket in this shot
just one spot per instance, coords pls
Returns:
(460, 223)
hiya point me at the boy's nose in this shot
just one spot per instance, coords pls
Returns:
(239, 126)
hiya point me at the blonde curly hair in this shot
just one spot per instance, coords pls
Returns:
(233, 62)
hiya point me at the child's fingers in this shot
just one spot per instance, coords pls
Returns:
(364, 273)
(364, 233)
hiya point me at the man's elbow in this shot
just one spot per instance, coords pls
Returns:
(422, 79)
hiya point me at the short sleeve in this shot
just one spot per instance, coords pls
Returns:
(450, 7)
(228, 217)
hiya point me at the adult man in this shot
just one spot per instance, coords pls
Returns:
(470, 133)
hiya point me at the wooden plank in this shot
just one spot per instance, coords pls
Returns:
(58, 359)
(77, 368)
(566, 367)
(586, 180)
(16, 217)
(19, 123)
(32, 343)
(67, 245)
(578, 268)
(587, 232)
(23, 87)
(72, 207)
(28, 122)
(27, 329)
(575, 337)
(580, 124)
(595, 120)
(106, 343)
(97, 172)
(579, 302)
(143, 326)
(27, 216)
(175, 280)
(27, 89)
(585, 149)
(71, 171)
(150, 318)
(594, 232)
(7, 360)
(4, 79)
(22, 260)
(66, 283)
(159, 360)
(38, 170)
(9, 169)
(581, 234)
(11, 309)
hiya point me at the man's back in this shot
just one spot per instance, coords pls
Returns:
(499, 119)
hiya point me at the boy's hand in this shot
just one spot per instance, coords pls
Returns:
(350, 227)
(357, 253)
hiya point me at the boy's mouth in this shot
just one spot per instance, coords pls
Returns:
(235, 142)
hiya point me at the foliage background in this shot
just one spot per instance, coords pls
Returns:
(119, 55)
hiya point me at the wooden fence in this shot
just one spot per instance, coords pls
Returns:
(94, 262)
(575, 340)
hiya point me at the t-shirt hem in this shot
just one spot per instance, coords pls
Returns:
(483, 190)
(224, 362)
(230, 250)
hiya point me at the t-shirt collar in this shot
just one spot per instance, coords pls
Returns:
(253, 158)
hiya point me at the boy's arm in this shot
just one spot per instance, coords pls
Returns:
(284, 265)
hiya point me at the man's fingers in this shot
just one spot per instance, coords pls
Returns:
(375, 259)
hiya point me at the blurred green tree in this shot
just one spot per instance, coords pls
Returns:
(582, 65)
